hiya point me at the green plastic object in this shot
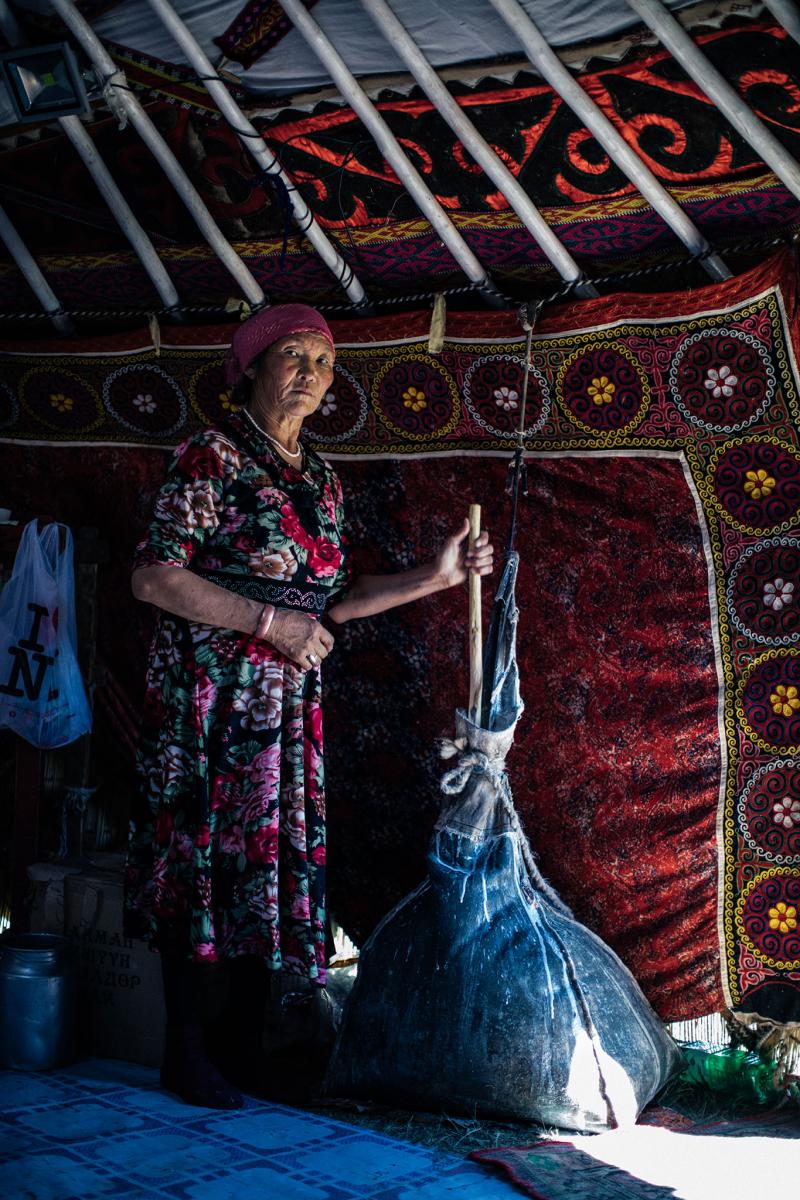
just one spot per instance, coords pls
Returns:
(738, 1077)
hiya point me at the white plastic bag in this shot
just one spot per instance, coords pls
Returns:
(42, 696)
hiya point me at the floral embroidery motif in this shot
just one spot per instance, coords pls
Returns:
(720, 382)
(785, 700)
(783, 917)
(226, 401)
(786, 812)
(145, 403)
(506, 398)
(414, 399)
(61, 402)
(328, 404)
(778, 594)
(602, 390)
(759, 484)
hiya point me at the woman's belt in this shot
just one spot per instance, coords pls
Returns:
(308, 597)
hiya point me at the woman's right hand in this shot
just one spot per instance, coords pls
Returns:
(300, 638)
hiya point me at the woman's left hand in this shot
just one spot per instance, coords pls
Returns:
(454, 561)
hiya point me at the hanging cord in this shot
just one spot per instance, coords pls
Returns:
(280, 192)
(534, 874)
(518, 479)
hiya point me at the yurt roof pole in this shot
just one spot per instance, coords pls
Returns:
(717, 88)
(115, 80)
(788, 14)
(399, 38)
(389, 146)
(549, 65)
(123, 214)
(32, 272)
(121, 210)
(254, 144)
(10, 27)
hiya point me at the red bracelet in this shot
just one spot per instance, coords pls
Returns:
(264, 621)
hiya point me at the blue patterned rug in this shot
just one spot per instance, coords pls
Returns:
(103, 1128)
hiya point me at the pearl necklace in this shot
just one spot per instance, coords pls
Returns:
(289, 453)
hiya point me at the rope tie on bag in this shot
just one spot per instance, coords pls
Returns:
(455, 780)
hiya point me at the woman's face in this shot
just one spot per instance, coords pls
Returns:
(292, 376)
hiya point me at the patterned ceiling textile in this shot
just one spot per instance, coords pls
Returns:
(171, 82)
(256, 29)
(347, 184)
(660, 616)
(651, 101)
(409, 254)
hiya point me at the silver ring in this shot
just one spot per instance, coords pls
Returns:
(312, 658)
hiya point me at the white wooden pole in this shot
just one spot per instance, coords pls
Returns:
(401, 41)
(33, 273)
(9, 26)
(122, 212)
(256, 147)
(74, 129)
(787, 14)
(391, 149)
(717, 88)
(115, 79)
(551, 68)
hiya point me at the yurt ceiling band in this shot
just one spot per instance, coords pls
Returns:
(122, 100)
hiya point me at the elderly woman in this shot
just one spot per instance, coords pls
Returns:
(247, 562)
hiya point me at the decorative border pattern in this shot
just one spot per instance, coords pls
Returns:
(776, 874)
(780, 543)
(759, 775)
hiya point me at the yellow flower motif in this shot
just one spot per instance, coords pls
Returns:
(61, 402)
(226, 400)
(759, 484)
(783, 917)
(784, 700)
(414, 399)
(602, 390)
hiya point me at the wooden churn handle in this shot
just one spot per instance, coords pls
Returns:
(475, 631)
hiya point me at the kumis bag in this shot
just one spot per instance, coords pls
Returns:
(42, 697)
(480, 992)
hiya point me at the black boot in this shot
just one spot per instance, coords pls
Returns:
(236, 1044)
(187, 1069)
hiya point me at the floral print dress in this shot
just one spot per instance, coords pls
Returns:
(227, 846)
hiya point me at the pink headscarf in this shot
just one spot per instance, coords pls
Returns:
(266, 327)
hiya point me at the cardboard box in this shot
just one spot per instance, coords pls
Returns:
(121, 1001)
